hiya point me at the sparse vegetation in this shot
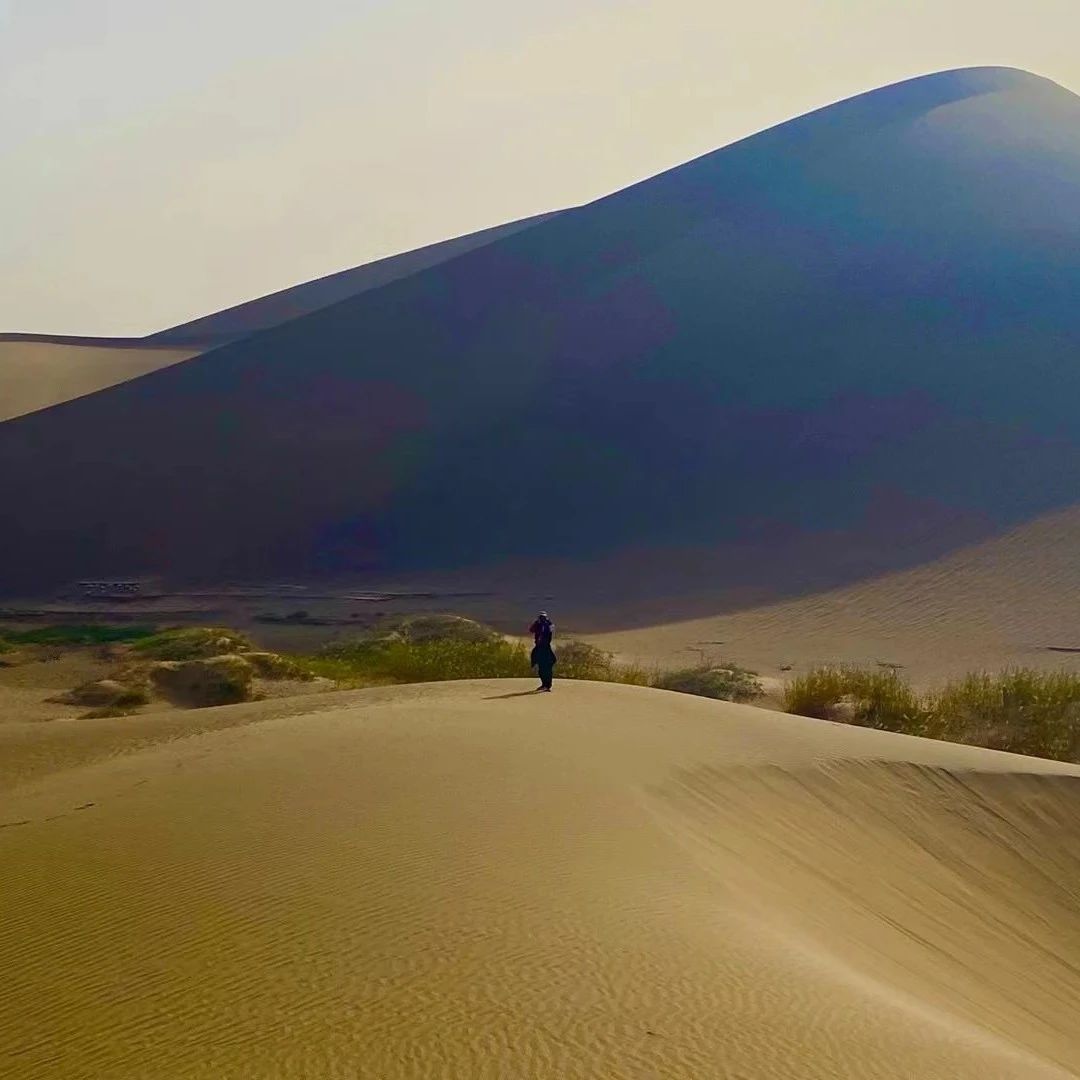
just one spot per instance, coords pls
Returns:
(421, 628)
(191, 666)
(879, 699)
(274, 666)
(580, 660)
(109, 712)
(74, 635)
(432, 648)
(109, 693)
(387, 661)
(200, 683)
(1021, 710)
(192, 643)
(728, 682)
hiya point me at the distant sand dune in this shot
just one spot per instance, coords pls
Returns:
(36, 372)
(453, 881)
(41, 370)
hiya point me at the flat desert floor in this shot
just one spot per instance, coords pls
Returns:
(472, 881)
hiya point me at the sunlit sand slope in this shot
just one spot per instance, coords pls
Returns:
(1004, 602)
(458, 881)
(37, 373)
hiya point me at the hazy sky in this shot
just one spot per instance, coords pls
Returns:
(164, 159)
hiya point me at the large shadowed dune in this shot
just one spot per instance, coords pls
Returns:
(861, 315)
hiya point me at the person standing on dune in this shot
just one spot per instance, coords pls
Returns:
(543, 655)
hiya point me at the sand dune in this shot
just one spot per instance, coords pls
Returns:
(37, 372)
(298, 300)
(863, 313)
(454, 881)
(1007, 601)
(41, 370)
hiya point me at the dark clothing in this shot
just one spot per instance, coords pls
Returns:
(542, 630)
(544, 660)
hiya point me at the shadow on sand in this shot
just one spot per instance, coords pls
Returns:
(518, 693)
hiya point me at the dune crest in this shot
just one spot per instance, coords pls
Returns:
(456, 880)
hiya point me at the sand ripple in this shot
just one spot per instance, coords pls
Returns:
(609, 882)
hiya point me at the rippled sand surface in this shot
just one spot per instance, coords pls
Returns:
(607, 882)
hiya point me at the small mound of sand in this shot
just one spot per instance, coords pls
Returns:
(218, 680)
(99, 692)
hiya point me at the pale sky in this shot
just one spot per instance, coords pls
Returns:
(163, 159)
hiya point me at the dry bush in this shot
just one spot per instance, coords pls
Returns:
(270, 665)
(108, 693)
(875, 699)
(580, 660)
(416, 630)
(725, 683)
(468, 650)
(1022, 711)
(395, 661)
(217, 680)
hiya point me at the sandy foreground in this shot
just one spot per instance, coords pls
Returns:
(468, 881)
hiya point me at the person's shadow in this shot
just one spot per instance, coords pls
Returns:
(518, 693)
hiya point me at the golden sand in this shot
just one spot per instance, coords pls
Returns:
(1002, 602)
(459, 881)
(38, 374)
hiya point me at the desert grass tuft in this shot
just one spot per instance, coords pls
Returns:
(1020, 710)
(727, 682)
(877, 698)
(439, 648)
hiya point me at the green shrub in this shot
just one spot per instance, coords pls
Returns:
(217, 680)
(729, 683)
(74, 635)
(192, 643)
